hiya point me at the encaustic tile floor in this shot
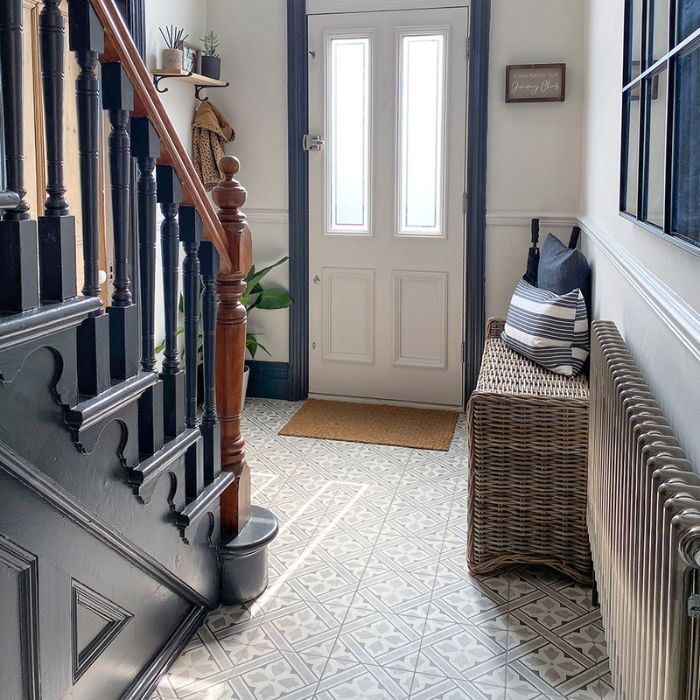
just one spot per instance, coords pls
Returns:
(369, 593)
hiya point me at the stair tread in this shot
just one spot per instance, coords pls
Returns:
(94, 409)
(196, 508)
(23, 327)
(154, 465)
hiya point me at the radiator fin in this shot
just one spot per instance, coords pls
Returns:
(644, 524)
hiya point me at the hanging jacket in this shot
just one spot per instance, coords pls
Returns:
(210, 131)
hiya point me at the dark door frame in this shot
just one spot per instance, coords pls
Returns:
(297, 99)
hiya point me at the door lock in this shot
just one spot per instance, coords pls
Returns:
(312, 142)
(317, 279)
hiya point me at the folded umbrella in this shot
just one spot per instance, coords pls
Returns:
(533, 255)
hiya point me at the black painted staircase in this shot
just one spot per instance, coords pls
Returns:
(110, 480)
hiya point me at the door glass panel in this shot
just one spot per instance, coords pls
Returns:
(348, 135)
(421, 134)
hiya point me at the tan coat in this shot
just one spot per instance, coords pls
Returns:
(210, 131)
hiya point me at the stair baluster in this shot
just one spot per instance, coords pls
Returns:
(169, 195)
(86, 40)
(229, 195)
(191, 235)
(211, 431)
(118, 100)
(145, 147)
(18, 238)
(56, 227)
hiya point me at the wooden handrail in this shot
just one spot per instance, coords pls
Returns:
(119, 46)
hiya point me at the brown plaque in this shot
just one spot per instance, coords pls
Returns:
(538, 82)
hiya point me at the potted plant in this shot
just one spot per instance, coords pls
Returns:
(211, 62)
(256, 296)
(174, 38)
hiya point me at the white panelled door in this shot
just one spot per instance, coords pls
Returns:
(387, 101)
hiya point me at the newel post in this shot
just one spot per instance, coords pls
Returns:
(230, 196)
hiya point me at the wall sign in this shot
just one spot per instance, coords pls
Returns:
(538, 82)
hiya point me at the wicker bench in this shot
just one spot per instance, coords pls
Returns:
(528, 447)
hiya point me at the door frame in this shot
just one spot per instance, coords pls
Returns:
(298, 120)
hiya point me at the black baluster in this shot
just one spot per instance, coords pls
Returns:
(56, 227)
(145, 147)
(118, 100)
(211, 431)
(19, 290)
(191, 235)
(86, 40)
(169, 195)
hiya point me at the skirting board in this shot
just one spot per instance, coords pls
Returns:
(147, 681)
(268, 380)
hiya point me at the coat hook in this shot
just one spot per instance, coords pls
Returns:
(312, 54)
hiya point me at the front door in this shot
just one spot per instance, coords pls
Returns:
(387, 122)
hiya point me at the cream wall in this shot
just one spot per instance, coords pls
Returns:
(179, 100)
(534, 149)
(254, 58)
(647, 285)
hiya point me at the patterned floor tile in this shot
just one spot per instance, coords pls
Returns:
(367, 682)
(370, 595)
(428, 687)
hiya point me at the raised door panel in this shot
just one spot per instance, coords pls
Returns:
(348, 315)
(420, 319)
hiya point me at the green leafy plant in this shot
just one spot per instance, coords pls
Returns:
(210, 44)
(257, 297)
(254, 297)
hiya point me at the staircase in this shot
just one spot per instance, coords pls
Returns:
(119, 496)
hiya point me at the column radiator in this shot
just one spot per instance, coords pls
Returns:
(644, 525)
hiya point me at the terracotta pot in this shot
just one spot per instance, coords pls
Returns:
(172, 60)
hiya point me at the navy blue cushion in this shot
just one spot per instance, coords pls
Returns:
(561, 270)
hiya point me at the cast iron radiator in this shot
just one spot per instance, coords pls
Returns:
(644, 525)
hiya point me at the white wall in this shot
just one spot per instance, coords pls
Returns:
(647, 285)
(254, 58)
(179, 100)
(192, 16)
(534, 149)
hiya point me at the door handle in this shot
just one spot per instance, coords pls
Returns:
(317, 279)
(312, 142)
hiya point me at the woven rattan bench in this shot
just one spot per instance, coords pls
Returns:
(528, 446)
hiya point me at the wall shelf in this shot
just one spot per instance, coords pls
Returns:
(199, 81)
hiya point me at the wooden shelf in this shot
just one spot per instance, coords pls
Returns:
(194, 78)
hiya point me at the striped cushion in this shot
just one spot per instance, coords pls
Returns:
(549, 329)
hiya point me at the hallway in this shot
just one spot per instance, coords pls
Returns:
(369, 595)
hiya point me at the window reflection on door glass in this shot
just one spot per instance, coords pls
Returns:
(631, 162)
(686, 153)
(656, 160)
(349, 135)
(420, 163)
(688, 18)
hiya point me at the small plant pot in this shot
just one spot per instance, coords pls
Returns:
(172, 60)
(211, 67)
